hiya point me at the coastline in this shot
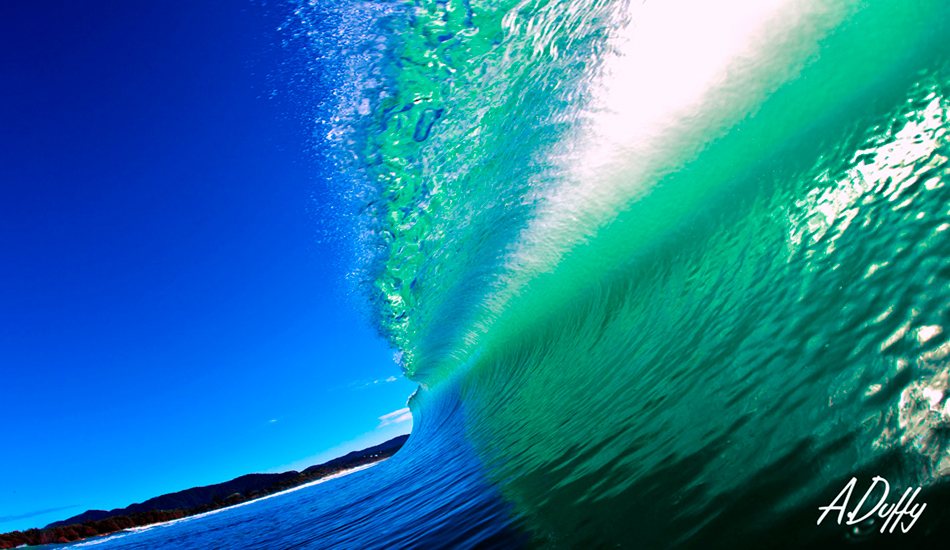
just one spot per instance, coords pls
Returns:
(98, 539)
(100, 525)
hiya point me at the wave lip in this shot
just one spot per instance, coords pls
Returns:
(520, 151)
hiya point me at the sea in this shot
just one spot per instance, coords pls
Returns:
(668, 274)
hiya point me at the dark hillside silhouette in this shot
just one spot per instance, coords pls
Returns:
(193, 501)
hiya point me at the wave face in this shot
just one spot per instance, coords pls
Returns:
(684, 266)
(668, 273)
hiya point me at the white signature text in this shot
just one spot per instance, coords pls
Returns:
(904, 512)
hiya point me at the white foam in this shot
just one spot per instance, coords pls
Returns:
(134, 530)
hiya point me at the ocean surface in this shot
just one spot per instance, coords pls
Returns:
(668, 273)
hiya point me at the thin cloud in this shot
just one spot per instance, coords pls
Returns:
(360, 385)
(29, 515)
(395, 417)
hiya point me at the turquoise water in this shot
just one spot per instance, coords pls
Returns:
(658, 291)
(668, 275)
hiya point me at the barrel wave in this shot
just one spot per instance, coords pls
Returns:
(668, 273)
(683, 266)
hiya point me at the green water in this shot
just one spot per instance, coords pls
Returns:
(797, 323)
(689, 336)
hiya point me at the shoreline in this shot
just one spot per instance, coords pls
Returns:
(99, 539)
(124, 521)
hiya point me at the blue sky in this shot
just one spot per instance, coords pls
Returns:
(173, 309)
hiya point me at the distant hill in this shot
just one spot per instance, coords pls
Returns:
(201, 496)
(393, 444)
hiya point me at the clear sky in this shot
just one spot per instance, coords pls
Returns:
(173, 310)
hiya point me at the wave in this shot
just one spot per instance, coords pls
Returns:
(663, 261)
